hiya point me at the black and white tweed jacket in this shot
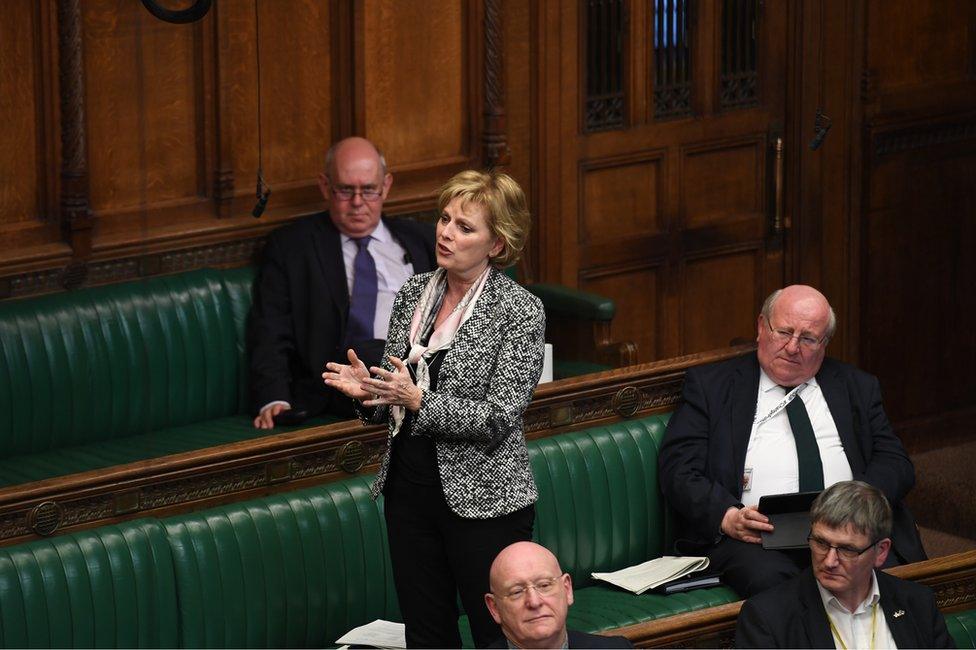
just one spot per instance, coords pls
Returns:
(485, 383)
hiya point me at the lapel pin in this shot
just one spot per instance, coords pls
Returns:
(900, 612)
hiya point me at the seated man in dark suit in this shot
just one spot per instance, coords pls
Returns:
(836, 603)
(327, 285)
(783, 420)
(529, 598)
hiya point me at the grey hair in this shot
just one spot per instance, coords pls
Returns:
(767, 312)
(855, 503)
(330, 159)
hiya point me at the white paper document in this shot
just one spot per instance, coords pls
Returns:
(379, 634)
(653, 573)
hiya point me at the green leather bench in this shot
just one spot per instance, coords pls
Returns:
(299, 569)
(120, 373)
(126, 372)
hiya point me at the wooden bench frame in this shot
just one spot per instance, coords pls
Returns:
(288, 461)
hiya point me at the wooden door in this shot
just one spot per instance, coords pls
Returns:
(658, 133)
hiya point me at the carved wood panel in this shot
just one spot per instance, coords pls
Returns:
(669, 209)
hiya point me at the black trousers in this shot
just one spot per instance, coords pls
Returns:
(436, 554)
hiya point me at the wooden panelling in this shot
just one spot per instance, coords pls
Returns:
(720, 300)
(296, 89)
(636, 291)
(918, 267)
(414, 71)
(143, 107)
(920, 43)
(721, 181)
(621, 199)
(19, 114)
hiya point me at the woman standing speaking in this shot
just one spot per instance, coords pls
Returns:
(463, 355)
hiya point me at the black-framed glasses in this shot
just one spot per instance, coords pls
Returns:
(785, 336)
(346, 192)
(849, 553)
(542, 586)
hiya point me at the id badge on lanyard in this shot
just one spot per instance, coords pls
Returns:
(758, 422)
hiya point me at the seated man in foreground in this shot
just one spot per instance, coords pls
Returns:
(783, 420)
(529, 598)
(835, 603)
(327, 285)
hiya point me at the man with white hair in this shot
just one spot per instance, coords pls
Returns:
(842, 601)
(786, 419)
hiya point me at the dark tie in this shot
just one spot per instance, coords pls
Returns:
(807, 453)
(362, 309)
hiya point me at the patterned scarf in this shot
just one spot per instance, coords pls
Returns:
(443, 337)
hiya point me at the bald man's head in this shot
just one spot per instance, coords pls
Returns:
(793, 329)
(355, 183)
(529, 596)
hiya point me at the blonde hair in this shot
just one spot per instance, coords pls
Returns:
(507, 210)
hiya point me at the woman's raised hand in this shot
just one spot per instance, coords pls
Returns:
(395, 387)
(348, 379)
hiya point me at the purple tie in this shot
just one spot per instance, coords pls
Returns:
(362, 309)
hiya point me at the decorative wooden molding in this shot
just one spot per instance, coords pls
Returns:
(287, 461)
(922, 136)
(952, 578)
(75, 216)
(494, 144)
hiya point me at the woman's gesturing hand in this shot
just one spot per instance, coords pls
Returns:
(396, 388)
(348, 379)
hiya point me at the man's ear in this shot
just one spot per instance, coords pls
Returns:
(759, 326)
(568, 585)
(490, 603)
(884, 547)
(387, 184)
(324, 186)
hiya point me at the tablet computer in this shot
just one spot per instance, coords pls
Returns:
(790, 516)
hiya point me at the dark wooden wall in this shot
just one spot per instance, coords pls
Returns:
(683, 187)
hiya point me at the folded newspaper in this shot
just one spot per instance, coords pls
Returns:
(653, 573)
(378, 634)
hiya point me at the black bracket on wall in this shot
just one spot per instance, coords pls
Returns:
(191, 14)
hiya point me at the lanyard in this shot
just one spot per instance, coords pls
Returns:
(758, 422)
(874, 627)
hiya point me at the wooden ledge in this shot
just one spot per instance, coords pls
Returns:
(288, 461)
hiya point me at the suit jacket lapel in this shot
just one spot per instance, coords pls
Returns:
(416, 253)
(487, 299)
(743, 394)
(902, 627)
(839, 402)
(328, 248)
(814, 616)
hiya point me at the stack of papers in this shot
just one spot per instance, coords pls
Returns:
(653, 573)
(378, 634)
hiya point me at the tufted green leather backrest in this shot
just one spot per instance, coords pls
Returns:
(123, 359)
(962, 628)
(108, 587)
(290, 570)
(599, 506)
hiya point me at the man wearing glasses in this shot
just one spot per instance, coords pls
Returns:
(783, 420)
(328, 284)
(529, 599)
(842, 601)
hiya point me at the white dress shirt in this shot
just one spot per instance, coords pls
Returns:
(771, 465)
(393, 268)
(854, 627)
